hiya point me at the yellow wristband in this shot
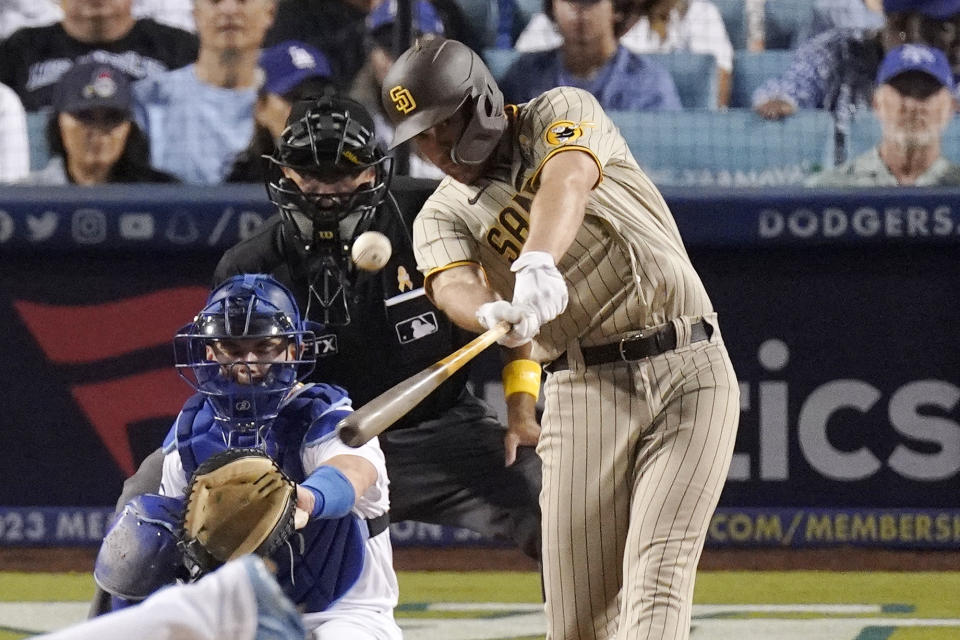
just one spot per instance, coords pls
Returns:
(521, 375)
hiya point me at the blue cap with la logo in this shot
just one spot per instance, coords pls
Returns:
(916, 57)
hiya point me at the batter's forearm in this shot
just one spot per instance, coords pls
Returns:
(460, 303)
(508, 354)
(458, 292)
(561, 201)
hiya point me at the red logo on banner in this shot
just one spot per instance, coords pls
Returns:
(92, 333)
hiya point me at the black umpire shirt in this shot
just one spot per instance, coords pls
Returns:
(394, 332)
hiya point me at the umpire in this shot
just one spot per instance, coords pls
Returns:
(330, 180)
(445, 459)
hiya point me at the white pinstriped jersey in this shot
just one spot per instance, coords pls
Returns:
(642, 278)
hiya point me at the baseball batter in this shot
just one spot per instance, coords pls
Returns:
(546, 221)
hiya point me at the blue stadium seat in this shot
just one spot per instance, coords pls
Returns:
(726, 148)
(735, 20)
(753, 68)
(695, 75)
(865, 133)
(785, 21)
(37, 137)
(499, 60)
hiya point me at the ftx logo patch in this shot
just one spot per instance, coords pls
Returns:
(417, 327)
(326, 345)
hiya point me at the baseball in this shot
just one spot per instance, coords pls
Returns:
(371, 250)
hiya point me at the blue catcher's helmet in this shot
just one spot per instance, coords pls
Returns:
(246, 349)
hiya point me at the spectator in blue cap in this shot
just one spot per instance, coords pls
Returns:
(914, 104)
(837, 69)
(380, 31)
(91, 133)
(290, 71)
(379, 45)
(334, 26)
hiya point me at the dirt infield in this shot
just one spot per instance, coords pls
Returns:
(472, 558)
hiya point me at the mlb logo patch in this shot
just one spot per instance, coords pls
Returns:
(417, 327)
(326, 345)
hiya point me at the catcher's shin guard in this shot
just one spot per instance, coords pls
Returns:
(139, 554)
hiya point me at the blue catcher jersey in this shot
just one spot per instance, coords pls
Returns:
(324, 559)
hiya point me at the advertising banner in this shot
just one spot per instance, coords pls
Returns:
(838, 311)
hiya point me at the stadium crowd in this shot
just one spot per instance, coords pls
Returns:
(197, 92)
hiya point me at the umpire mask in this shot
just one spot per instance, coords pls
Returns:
(328, 142)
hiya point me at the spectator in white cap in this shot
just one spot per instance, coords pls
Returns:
(914, 104)
(291, 71)
(93, 139)
(379, 45)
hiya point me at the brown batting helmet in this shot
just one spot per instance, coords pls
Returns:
(430, 82)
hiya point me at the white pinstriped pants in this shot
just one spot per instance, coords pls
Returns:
(634, 458)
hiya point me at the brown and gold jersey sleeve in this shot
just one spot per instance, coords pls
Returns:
(566, 119)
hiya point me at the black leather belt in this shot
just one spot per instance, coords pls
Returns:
(636, 347)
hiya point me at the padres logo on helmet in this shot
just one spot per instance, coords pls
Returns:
(402, 99)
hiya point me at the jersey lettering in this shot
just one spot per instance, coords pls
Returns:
(515, 221)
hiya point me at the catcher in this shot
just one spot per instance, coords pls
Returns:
(252, 464)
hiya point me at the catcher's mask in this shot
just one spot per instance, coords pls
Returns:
(246, 350)
(328, 140)
(434, 79)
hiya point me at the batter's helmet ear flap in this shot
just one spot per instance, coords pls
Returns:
(481, 135)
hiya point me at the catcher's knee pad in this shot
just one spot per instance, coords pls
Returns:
(139, 554)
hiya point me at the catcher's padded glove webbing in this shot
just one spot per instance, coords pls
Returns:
(239, 501)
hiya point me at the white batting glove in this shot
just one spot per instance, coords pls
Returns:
(539, 285)
(523, 321)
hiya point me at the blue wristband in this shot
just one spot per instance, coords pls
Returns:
(333, 491)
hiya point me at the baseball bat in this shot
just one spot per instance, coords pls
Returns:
(374, 417)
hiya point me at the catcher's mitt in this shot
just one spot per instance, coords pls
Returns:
(239, 501)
